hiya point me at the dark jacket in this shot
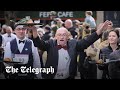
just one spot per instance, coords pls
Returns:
(107, 51)
(46, 36)
(0, 46)
(73, 46)
(72, 31)
(1, 56)
(0, 40)
(114, 67)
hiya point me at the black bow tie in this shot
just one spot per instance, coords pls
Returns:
(9, 35)
(64, 47)
(21, 41)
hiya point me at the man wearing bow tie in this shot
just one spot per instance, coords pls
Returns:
(8, 36)
(62, 51)
(22, 48)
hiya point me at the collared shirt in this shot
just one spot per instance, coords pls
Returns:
(7, 38)
(63, 64)
(36, 58)
(20, 45)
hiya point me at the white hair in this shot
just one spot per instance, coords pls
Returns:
(4, 26)
(69, 21)
(41, 30)
(61, 29)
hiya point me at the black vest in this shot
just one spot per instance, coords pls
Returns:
(27, 49)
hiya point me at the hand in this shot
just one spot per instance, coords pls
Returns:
(103, 26)
(31, 27)
(7, 60)
(110, 26)
(100, 61)
(34, 31)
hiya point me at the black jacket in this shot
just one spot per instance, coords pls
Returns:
(73, 47)
(46, 36)
(107, 51)
(72, 31)
(0, 40)
(0, 46)
(114, 67)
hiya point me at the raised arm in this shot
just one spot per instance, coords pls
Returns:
(84, 43)
(38, 42)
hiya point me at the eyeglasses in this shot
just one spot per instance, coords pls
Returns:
(21, 28)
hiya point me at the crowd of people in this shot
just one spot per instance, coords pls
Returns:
(68, 46)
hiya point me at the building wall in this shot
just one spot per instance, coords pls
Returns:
(100, 17)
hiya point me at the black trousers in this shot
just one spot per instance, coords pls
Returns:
(91, 72)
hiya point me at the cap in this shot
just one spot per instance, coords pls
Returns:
(19, 26)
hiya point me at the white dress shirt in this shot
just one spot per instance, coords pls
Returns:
(36, 58)
(6, 38)
(63, 64)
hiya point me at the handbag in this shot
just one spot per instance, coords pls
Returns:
(86, 63)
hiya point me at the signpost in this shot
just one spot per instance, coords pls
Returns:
(44, 15)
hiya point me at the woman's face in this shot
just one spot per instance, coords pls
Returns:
(112, 38)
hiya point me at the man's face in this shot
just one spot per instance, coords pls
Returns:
(68, 24)
(8, 30)
(61, 36)
(20, 32)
